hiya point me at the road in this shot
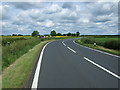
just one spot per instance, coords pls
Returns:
(66, 64)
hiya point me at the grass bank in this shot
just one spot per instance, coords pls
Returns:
(99, 47)
(15, 75)
(16, 48)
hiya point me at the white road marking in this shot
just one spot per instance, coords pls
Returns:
(97, 50)
(71, 49)
(108, 71)
(63, 43)
(37, 72)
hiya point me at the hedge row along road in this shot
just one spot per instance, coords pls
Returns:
(65, 64)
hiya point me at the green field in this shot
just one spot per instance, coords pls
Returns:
(103, 40)
(107, 44)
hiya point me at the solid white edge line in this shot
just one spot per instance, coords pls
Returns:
(97, 50)
(63, 43)
(37, 72)
(71, 49)
(108, 71)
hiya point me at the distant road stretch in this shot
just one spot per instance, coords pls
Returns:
(65, 64)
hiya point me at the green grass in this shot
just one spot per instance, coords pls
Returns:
(104, 39)
(20, 57)
(13, 51)
(15, 75)
(115, 52)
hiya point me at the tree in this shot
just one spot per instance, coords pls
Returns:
(59, 34)
(35, 33)
(14, 34)
(73, 34)
(20, 35)
(77, 34)
(53, 33)
(69, 34)
(64, 34)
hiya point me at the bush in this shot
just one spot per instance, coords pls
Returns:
(88, 40)
(112, 44)
(6, 41)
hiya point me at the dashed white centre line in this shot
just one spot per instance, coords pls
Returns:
(106, 70)
(71, 49)
(63, 43)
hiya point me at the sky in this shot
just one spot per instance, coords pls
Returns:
(88, 18)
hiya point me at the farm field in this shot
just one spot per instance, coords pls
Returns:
(103, 40)
(107, 44)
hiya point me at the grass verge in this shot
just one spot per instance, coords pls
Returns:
(15, 75)
(115, 52)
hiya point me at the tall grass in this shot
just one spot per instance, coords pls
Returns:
(88, 40)
(111, 43)
(15, 49)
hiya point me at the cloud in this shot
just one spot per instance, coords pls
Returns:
(87, 18)
(47, 23)
(52, 9)
(4, 10)
(67, 5)
(26, 5)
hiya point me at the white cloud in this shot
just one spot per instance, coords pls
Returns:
(48, 24)
(52, 9)
(87, 18)
(4, 9)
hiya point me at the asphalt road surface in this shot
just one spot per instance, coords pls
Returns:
(66, 64)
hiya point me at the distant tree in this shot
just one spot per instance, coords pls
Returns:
(64, 34)
(14, 34)
(20, 35)
(46, 35)
(77, 34)
(35, 33)
(69, 34)
(59, 34)
(53, 33)
(73, 34)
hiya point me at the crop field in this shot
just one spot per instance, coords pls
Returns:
(105, 39)
(102, 43)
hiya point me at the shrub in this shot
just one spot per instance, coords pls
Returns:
(112, 44)
(88, 40)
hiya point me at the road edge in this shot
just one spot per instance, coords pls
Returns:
(29, 81)
(96, 50)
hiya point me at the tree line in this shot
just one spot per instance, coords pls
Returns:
(54, 33)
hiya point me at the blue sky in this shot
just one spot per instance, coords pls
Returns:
(94, 18)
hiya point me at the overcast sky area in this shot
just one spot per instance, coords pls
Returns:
(94, 18)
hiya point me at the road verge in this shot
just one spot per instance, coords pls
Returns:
(97, 47)
(16, 75)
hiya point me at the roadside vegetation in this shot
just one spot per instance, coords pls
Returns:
(16, 45)
(110, 44)
(16, 74)
(19, 54)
